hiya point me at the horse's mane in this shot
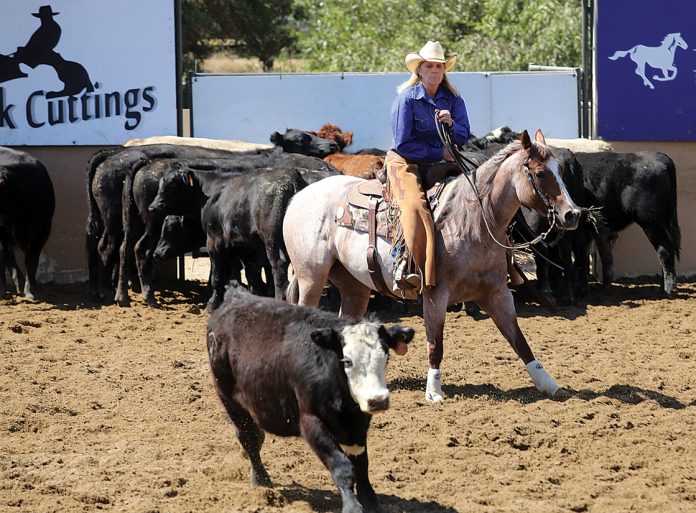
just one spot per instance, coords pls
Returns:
(670, 37)
(460, 201)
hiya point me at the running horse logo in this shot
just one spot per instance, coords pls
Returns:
(658, 57)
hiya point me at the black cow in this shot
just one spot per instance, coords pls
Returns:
(142, 227)
(500, 136)
(180, 234)
(140, 188)
(242, 216)
(106, 174)
(562, 260)
(306, 143)
(27, 204)
(301, 371)
(636, 188)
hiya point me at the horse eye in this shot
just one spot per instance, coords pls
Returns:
(540, 174)
(347, 363)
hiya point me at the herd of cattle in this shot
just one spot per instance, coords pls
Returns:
(157, 199)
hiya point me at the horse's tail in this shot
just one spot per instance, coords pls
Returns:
(293, 292)
(672, 222)
(620, 53)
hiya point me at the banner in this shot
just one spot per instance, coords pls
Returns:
(645, 70)
(86, 72)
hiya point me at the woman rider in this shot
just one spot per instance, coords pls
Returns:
(416, 148)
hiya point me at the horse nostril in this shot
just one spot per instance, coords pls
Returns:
(571, 217)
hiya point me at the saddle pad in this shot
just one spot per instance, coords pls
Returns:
(357, 219)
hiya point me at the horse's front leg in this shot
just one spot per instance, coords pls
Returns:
(501, 307)
(434, 312)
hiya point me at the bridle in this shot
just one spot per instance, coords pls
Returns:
(465, 163)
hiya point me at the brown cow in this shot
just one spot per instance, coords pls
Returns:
(363, 166)
(333, 133)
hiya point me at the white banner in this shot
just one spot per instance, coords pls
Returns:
(249, 107)
(86, 72)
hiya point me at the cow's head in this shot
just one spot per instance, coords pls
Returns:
(178, 236)
(365, 353)
(300, 141)
(174, 192)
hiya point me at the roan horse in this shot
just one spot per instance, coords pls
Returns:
(470, 264)
(659, 57)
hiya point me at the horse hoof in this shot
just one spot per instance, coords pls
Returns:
(433, 397)
(562, 394)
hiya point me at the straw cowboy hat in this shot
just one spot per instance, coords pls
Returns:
(431, 52)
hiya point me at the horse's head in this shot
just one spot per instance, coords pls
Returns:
(680, 41)
(543, 189)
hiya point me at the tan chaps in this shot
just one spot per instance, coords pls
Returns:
(416, 220)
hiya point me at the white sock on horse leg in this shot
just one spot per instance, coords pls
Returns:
(433, 387)
(541, 379)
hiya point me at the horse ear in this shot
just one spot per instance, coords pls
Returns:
(539, 136)
(526, 141)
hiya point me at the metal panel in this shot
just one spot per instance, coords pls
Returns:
(250, 107)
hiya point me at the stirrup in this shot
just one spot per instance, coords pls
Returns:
(407, 285)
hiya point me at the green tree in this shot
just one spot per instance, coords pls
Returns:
(251, 28)
(375, 35)
(513, 33)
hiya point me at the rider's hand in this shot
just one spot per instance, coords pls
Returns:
(444, 117)
(447, 156)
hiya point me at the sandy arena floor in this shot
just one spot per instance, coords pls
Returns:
(112, 409)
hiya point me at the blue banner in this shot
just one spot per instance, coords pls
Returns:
(645, 70)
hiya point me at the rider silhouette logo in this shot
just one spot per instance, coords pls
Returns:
(657, 57)
(40, 50)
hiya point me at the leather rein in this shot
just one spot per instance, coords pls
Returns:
(465, 163)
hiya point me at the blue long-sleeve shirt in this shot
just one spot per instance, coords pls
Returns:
(413, 123)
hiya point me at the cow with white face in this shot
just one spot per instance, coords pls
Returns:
(301, 371)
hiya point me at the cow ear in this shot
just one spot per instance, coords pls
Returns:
(398, 338)
(326, 337)
(539, 136)
(526, 141)
(348, 137)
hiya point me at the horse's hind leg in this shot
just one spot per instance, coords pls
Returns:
(354, 295)
(500, 306)
(640, 71)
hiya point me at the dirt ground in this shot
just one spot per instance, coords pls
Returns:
(108, 408)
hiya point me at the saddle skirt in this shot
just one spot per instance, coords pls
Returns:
(353, 210)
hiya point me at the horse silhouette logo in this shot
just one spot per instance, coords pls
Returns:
(658, 57)
(40, 50)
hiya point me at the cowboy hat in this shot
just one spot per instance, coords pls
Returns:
(44, 12)
(431, 52)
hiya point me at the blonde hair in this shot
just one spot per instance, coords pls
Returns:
(414, 79)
